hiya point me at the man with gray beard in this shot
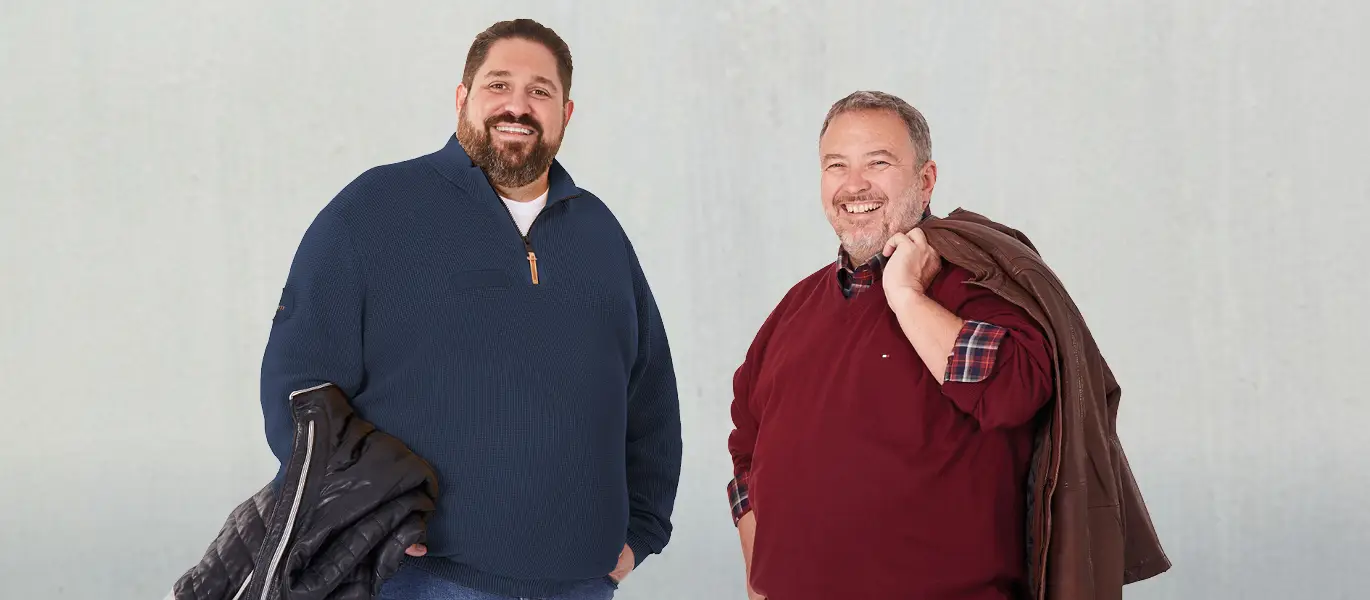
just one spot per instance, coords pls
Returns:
(483, 309)
(884, 412)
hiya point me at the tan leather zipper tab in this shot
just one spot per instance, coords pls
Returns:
(533, 266)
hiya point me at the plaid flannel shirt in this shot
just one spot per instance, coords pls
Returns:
(971, 359)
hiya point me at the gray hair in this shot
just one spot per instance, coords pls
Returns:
(871, 100)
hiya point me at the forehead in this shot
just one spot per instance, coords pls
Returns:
(862, 131)
(519, 58)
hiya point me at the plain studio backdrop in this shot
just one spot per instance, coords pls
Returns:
(1194, 171)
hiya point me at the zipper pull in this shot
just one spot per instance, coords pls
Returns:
(533, 265)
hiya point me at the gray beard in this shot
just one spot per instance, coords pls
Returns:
(862, 246)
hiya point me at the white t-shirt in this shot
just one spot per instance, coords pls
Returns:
(525, 212)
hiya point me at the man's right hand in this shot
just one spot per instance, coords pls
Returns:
(416, 550)
(746, 530)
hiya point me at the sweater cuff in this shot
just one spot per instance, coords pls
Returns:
(640, 548)
(972, 356)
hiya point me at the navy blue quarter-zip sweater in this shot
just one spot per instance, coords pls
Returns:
(548, 410)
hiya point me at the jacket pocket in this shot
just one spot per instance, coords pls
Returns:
(1106, 547)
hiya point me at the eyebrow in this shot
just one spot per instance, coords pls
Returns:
(536, 78)
(871, 153)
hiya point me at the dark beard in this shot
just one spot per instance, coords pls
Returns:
(516, 166)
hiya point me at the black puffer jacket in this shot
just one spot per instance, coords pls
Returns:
(352, 499)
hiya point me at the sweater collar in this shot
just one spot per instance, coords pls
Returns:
(456, 165)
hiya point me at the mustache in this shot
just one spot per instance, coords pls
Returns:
(862, 197)
(508, 117)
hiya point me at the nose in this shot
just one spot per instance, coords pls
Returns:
(518, 105)
(855, 183)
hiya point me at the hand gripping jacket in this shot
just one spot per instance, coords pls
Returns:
(352, 499)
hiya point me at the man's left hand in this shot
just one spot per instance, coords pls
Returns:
(912, 264)
(626, 562)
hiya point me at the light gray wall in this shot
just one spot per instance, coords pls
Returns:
(1195, 171)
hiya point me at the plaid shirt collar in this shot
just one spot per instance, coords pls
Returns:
(854, 280)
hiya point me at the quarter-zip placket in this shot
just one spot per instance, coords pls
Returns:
(532, 256)
(527, 245)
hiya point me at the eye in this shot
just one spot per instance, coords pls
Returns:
(880, 163)
(542, 92)
(834, 166)
(498, 85)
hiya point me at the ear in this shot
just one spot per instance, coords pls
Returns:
(461, 97)
(927, 177)
(570, 108)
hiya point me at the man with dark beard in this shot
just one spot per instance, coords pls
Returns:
(883, 412)
(483, 309)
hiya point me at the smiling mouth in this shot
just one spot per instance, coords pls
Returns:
(860, 208)
(514, 129)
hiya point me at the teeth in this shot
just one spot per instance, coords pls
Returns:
(509, 129)
(863, 207)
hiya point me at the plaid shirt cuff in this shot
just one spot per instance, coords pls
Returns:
(972, 357)
(737, 496)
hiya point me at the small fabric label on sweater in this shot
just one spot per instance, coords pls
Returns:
(285, 306)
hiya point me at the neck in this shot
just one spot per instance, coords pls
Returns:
(856, 260)
(525, 193)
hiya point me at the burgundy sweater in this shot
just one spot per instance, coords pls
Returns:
(867, 478)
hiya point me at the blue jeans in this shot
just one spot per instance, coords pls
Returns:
(413, 583)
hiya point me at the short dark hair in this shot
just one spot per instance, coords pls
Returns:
(872, 100)
(525, 29)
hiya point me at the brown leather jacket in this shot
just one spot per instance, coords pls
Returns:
(1097, 535)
